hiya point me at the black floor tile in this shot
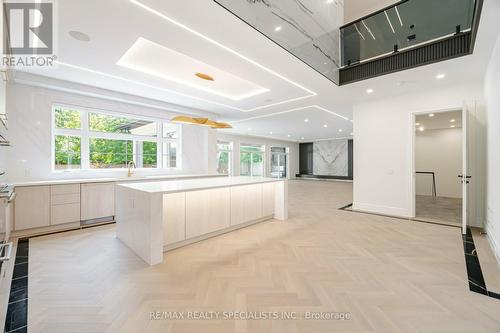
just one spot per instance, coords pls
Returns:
(17, 315)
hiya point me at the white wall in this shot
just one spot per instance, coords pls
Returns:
(383, 159)
(30, 133)
(439, 151)
(355, 9)
(293, 157)
(492, 89)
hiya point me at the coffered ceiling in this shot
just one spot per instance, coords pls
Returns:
(153, 49)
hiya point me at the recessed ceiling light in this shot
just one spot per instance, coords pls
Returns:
(440, 76)
(288, 135)
(369, 91)
(78, 35)
(421, 128)
(302, 138)
(452, 121)
(329, 1)
(306, 120)
(340, 130)
(325, 125)
(352, 134)
(417, 124)
(431, 115)
(278, 28)
(204, 76)
(249, 129)
(452, 126)
(271, 133)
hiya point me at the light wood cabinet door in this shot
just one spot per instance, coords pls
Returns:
(32, 207)
(246, 203)
(268, 204)
(97, 201)
(60, 214)
(174, 218)
(207, 211)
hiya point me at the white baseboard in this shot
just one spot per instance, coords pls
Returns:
(379, 209)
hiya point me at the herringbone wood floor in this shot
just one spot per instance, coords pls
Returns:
(390, 275)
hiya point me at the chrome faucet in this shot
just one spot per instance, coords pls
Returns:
(131, 165)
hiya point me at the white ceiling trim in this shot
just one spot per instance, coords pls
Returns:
(158, 60)
(226, 48)
(293, 110)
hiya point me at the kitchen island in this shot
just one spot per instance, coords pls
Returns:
(155, 217)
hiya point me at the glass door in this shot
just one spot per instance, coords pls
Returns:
(279, 159)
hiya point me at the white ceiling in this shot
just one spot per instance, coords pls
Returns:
(439, 120)
(206, 33)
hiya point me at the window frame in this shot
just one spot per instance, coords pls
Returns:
(261, 152)
(230, 154)
(85, 134)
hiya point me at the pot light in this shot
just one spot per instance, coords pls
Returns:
(340, 130)
(329, 1)
(440, 76)
(369, 91)
(302, 138)
(288, 135)
(278, 28)
(417, 124)
(421, 128)
(204, 76)
(431, 115)
(249, 129)
(452, 126)
(352, 134)
(452, 121)
(325, 125)
(306, 120)
(271, 133)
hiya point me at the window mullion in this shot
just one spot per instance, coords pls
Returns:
(85, 144)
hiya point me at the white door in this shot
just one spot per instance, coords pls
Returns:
(465, 176)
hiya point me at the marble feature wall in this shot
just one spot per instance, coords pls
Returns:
(331, 158)
(308, 29)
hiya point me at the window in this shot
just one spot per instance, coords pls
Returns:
(99, 140)
(252, 160)
(224, 157)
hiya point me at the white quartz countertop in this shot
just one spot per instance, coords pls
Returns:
(116, 179)
(186, 185)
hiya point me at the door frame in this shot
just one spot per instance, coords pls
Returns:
(412, 121)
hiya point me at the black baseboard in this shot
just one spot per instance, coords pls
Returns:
(300, 175)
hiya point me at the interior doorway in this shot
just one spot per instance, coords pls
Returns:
(439, 164)
(279, 161)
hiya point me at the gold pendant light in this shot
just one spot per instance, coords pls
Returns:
(199, 121)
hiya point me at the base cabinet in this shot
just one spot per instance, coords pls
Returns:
(207, 211)
(32, 207)
(97, 201)
(174, 218)
(246, 203)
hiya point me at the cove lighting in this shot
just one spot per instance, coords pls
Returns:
(180, 25)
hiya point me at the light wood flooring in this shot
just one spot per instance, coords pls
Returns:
(390, 275)
(439, 209)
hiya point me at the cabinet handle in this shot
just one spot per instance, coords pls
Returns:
(8, 252)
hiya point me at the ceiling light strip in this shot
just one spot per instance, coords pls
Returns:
(292, 110)
(390, 23)
(153, 11)
(399, 17)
